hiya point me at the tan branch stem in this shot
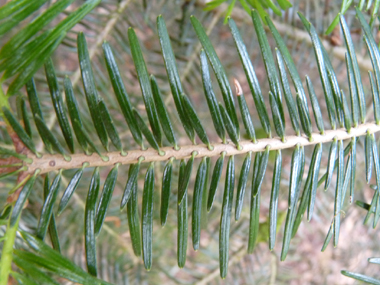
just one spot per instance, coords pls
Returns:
(49, 162)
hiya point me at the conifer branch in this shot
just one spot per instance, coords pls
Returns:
(48, 163)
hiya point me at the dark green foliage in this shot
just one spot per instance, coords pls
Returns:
(173, 76)
(224, 231)
(243, 178)
(50, 137)
(43, 264)
(279, 123)
(21, 106)
(34, 47)
(361, 277)
(134, 221)
(252, 79)
(315, 105)
(199, 186)
(132, 180)
(260, 166)
(146, 89)
(90, 88)
(344, 190)
(25, 192)
(194, 119)
(338, 193)
(357, 92)
(58, 104)
(185, 179)
(46, 258)
(216, 174)
(211, 99)
(166, 189)
(231, 130)
(274, 200)
(47, 209)
(322, 70)
(52, 228)
(35, 107)
(163, 113)
(105, 198)
(331, 162)
(70, 190)
(145, 130)
(375, 155)
(182, 221)
(375, 97)
(34, 272)
(346, 112)
(315, 166)
(87, 139)
(368, 157)
(19, 130)
(31, 64)
(219, 72)
(287, 93)
(110, 127)
(147, 217)
(246, 116)
(289, 63)
(73, 110)
(89, 220)
(296, 167)
(270, 68)
(261, 6)
(353, 167)
(120, 92)
(305, 117)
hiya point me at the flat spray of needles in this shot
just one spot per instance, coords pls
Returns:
(338, 126)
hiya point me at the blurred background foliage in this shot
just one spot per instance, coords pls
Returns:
(110, 20)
